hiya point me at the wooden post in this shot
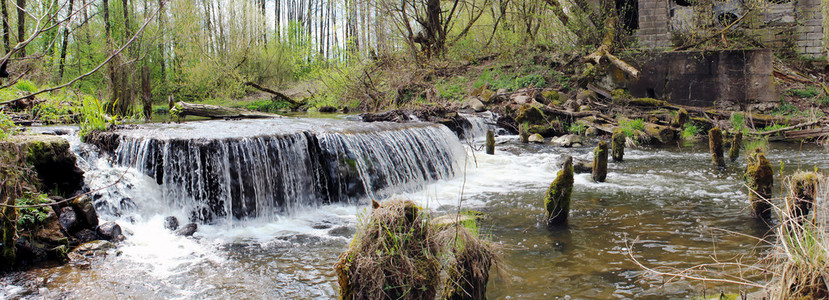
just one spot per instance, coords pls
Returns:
(759, 179)
(600, 162)
(490, 142)
(715, 145)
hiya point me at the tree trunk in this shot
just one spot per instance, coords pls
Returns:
(147, 92)
(4, 13)
(183, 109)
(64, 44)
(21, 26)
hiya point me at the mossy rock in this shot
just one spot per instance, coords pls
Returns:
(554, 129)
(620, 94)
(647, 102)
(551, 96)
(52, 160)
(759, 179)
(530, 115)
(557, 198)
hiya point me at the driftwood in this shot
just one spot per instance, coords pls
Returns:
(796, 135)
(216, 112)
(794, 127)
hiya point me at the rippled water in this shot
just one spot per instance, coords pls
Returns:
(670, 200)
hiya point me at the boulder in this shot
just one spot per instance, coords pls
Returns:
(110, 231)
(85, 210)
(530, 115)
(86, 235)
(69, 220)
(569, 140)
(523, 99)
(49, 230)
(52, 160)
(171, 223)
(187, 230)
(535, 138)
(474, 103)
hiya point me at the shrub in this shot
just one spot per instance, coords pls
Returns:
(26, 85)
(7, 127)
(577, 128)
(630, 127)
(690, 131)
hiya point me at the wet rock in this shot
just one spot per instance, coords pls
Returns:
(171, 223)
(85, 211)
(663, 134)
(187, 230)
(736, 144)
(474, 103)
(557, 198)
(490, 142)
(759, 179)
(617, 146)
(523, 99)
(86, 235)
(570, 140)
(127, 204)
(69, 220)
(52, 160)
(110, 231)
(715, 146)
(536, 138)
(551, 130)
(327, 109)
(49, 230)
(90, 250)
(343, 231)
(600, 162)
(591, 131)
(581, 166)
(803, 190)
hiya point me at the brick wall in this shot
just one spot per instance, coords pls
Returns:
(653, 24)
(809, 32)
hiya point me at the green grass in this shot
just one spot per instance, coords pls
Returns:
(26, 85)
(93, 116)
(690, 131)
(7, 127)
(630, 127)
(808, 92)
(577, 128)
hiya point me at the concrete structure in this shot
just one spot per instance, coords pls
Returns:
(775, 23)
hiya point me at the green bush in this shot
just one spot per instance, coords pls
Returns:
(577, 128)
(26, 85)
(7, 127)
(690, 131)
(31, 216)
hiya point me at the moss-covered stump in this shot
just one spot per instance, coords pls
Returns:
(490, 142)
(557, 198)
(401, 252)
(52, 160)
(600, 162)
(523, 133)
(803, 190)
(736, 144)
(617, 148)
(715, 146)
(680, 119)
(759, 179)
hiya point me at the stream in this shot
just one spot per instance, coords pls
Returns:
(667, 206)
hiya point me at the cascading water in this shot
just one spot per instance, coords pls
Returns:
(265, 168)
(480, 123)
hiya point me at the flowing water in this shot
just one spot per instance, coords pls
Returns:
(667, 206)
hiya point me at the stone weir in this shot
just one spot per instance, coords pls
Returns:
(264, 168)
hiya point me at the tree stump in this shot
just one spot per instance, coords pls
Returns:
(600, 162)
(736, 144)
(557, 198)
(759, 179)
(490, 142)
(715, 144)
(617, 146)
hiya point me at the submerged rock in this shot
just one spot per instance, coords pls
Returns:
(171, 223)
(90, 250)
(187, 230)
(715, 145)
(617, 146)
(557, 198)
(736, 144)
(600, 162)
(490, 142)
(759, 179)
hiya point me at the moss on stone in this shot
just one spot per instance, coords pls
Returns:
(736, 144)
(551, 96)
(715, 146)
(759, 179)
(490, 142)
(557, 198)
(530, 115)
(648, 102)
(554, 128)
(617, 150)
(600, 162)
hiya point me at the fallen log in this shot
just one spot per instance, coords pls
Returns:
(801, 125)
(276, 95)
(805, 134)
(182, 109)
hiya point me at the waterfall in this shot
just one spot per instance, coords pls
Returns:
(480, 123)
(267, 168)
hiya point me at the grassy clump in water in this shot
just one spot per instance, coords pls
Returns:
(401, 252)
